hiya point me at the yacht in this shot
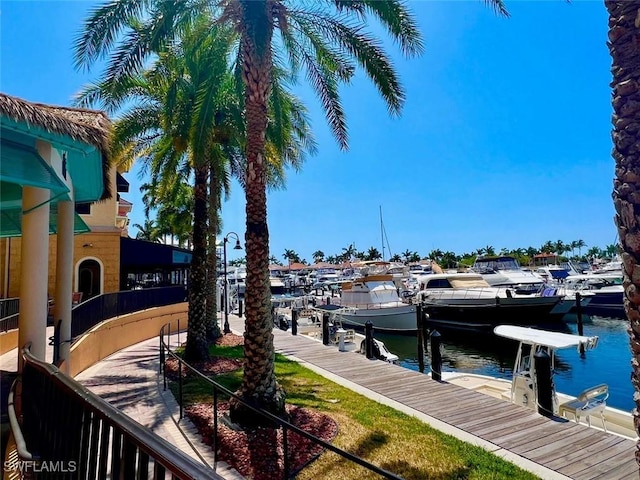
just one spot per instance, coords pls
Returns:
(505, 271)
(467, 301)
(606, 292)
(375, 298)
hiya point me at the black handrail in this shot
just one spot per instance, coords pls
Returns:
(9, 323)
(9, 306)
(68, 428)
(286, 426)
(109, 305)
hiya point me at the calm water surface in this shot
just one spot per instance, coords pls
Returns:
(488, 354)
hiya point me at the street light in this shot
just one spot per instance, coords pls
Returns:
(226, 293)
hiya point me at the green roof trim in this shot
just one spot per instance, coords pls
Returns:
(23, 165)
(11, 222)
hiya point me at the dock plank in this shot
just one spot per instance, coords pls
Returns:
(573, 450)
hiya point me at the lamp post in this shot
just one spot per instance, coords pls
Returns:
(226, 283)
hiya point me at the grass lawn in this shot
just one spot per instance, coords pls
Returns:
(381, 435)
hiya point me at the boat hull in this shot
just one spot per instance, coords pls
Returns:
(606, 304)
(486, 315)
(391, 319)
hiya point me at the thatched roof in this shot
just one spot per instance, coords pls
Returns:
(88, 126)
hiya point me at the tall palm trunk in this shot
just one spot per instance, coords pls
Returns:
(213, 328)
(624, 46)
(259, 385)
(197, 348)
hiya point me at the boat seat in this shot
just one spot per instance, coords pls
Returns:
(591, 401)
(548, 292)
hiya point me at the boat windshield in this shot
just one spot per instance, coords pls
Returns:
(496, 263)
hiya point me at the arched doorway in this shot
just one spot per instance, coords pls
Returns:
(89, 276)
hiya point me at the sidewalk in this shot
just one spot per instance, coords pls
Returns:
(130, 380)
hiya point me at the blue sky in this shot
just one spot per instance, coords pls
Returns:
(504, 139)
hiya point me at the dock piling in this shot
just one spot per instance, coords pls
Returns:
(436, 356)
(420, 325)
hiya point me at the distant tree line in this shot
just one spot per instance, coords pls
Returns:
(563, 251)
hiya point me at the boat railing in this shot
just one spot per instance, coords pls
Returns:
(374, 306)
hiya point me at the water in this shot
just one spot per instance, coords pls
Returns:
(487, 354)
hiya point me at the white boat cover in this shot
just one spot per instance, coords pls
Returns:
(543, 337)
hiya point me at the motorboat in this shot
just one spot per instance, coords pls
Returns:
(276, 285)
(375, 298)
(467, 301)
(605, 290)
(505, 271)
(527, 386)
(398, 271)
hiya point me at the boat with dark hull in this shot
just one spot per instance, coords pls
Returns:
(466, 301)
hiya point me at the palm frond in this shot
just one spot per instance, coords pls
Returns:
(101, 30)
(395, 17)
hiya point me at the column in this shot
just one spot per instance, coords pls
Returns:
(34, 272)
(64, 278)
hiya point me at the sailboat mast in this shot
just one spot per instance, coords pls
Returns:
(382, 232)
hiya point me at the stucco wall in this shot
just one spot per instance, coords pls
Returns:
(103, 213)
(103, 246)
(118, 333)
(8, 341)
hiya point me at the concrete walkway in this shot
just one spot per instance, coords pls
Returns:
(130, 381)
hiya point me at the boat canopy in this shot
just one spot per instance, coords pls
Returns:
(534, 336)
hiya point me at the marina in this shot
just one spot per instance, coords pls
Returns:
(550, 447)
(488, 354)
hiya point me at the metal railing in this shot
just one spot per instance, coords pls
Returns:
(9, 306)
(109, 305)
(9, 323)
(286, 427)
(63, 430)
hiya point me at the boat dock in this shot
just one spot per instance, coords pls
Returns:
(550, 448)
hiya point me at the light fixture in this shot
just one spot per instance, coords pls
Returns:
(226, 292)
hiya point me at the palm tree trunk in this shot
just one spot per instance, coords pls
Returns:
(213, 328)
(197, 347)
(259, 385)
(624, 46)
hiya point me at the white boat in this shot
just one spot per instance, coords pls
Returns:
(505, 271)
(375, 298)
(467, 301)
(589, 408)
(605, 290)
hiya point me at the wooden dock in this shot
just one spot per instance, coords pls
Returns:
(573, 450)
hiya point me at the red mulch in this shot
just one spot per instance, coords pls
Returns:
(256, 454)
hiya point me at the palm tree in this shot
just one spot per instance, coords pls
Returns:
(580, 244)
(326, 38)
(148, 231)
(373, 254)
(348, 253)
(290, 256)
(623, 29)
(318, 256)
